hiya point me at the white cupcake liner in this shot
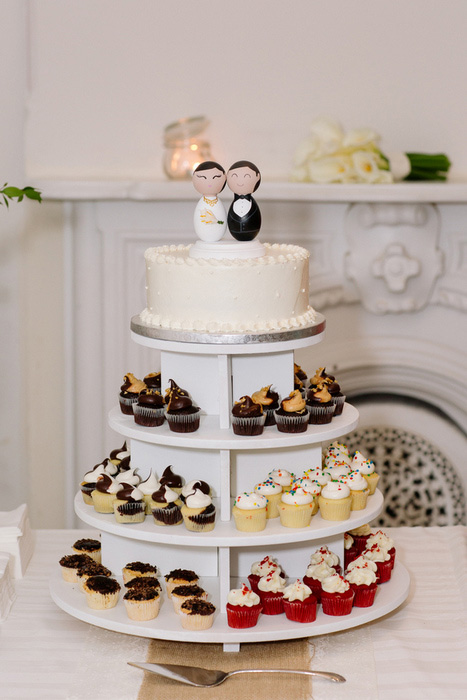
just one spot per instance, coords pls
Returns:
(149, 413)
(250, 424)
(293, 423)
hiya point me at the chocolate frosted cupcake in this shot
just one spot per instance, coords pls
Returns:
(88, 484)
(149, 409)
(269, 400)
(338, 398)
(293, 414)
(198, 512)
(153, 380)
(173, 481)
(166, 507)
(90, 547)
(248, 417)
(129, 506)
(181, 415)
(120, 453)
(101, 592)
(129, 392)
(320, 404)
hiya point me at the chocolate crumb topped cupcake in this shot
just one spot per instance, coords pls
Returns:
(142, 603)
(181, 415)
(91, 569)
(70, 565)
(129, 392)
(153, 380)
(248, 417)
(90, 547)
(269, 400)
(149, 409)
(138, 569)
(182, 593)
(293, 414)
(101, 592)
(144, 582)
(197, 614)
(179, 577)
(166, 506)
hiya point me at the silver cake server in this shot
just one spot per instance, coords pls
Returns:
(208, 678)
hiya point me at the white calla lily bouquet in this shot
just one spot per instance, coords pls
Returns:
(329, 154)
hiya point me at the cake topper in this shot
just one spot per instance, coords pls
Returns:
(210, 215)
(244, 218)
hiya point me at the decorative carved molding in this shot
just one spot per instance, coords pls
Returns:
(395, 266)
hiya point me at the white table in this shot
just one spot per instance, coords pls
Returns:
(417, 652)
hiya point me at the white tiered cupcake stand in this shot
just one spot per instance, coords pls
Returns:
(216, 370)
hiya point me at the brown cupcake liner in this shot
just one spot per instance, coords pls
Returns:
(292, 423)
(131, 508)
(319, 415)
(167, 516)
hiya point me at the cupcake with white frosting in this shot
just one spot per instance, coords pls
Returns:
(363, 583)
(262, 568)
(319, 475)
(324, 554)
(129, 506)
(315, 575)
(250, 512)
(243, 607)
(166, 507)
(335, 501)
(382, 559)
(380, 538)
(299, 602)
(199, 512)
(147, 488)
(273, 493)
(359, 490)
(295, 508)
(282, 477)
(312, 487)
(105, 493)
(339, 470)
(336, 596)
(89, 481)
(271, 592)
(366, 467)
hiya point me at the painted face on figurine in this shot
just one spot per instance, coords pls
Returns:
(209, 178)
(243, 180)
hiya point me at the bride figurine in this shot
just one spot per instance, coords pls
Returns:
(210, 218)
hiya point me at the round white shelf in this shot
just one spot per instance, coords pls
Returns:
(211, 437)
(225, 343)
(269, 628)
(225, 534)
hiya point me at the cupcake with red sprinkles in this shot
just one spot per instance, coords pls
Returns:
(243, 607)
(299, 602)
(263, 568)
(362, 580)
(337, 596)
(271, 592)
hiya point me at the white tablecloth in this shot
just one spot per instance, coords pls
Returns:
(417, 652)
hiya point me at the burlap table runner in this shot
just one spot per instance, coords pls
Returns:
(294, 654)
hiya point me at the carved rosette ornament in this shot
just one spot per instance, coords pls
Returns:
(393, 256)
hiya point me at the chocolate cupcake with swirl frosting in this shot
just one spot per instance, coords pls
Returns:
(166, 507)
(337, 397)
(182, 416)
(248, 417)
(320, 403)
(149, 409)
(129, 392)
(293, 414)
(269, 400)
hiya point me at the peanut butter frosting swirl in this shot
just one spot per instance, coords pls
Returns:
(294, 403)
(132, 385)
(265, 396)
(319, 393)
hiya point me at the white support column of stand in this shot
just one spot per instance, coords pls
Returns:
(224, 587)
(224, 456)
(225, 390)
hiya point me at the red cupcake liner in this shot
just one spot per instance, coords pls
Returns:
(350, 555)
(301, 610)
(253, 579)
(273, 603)
(241, 616)
(337, 603)
(360, 543)
(315, 586)
(364, 595)
(384, 571)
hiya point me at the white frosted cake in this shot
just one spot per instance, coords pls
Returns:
(268, 293)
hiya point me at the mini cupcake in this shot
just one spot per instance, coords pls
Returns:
(333, 387)
(325, 554)
(311, 487)
(359, 490)
(101, 592)
(363, 583)
(90, 547)
(105, 493)
(299, 372)
(360, 536)
(180, 594)
(144, 582)
(271, 593)
(315, 575)
(383, 541)
(293, 414)
(269, 400)
(129, 392)
(142, 604)
(298, 385)
(383, 561)
(335, 501)
(362, 563)
(119, 453)
(198, 512)
(299, 602)
(129, 506)
(295, 508)
(138, 569)
(147, 488)
(166, 507)
(338, 471)
(243, 608)
(366, 467)
(171, 480)
(283, 478)
(127, 476)
(350, 549)
(88, 484)
(273, 493)
(320, 404)
(263, 568)
(182, 416)
(322, 477)
(149, 409)
(190, 487)
(336, 596)
(197, 614)
(153, 381)
(337, 453)
(91, 568)
(69, 565)
(248, 417)
(250, 512)
(179, 577)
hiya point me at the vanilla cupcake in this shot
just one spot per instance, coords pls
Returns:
(69, 565)
(338, 471)
(129, 506)
(127, 476)
(190, 487)
(366, 467)
(180, 594)
(172, 480)
(101, 592)
(88, 546)
(179, 577)
(197, 614)
(89, 569)
(273, 493)
(105, 493)
(250, 512)
(293, 414)
(90, 479)
(199, 512)
(359, 489)
(312, 487)
(338, 448)
(282, 477)
(147, 488)
(295, 508)
(319, 475)
(335, 501)
(142, 604)
(118, 454)
(166, 505)
(138, 569)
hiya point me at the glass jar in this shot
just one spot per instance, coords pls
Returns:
(184, 150)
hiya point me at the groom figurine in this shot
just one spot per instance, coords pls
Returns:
(244, 217)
